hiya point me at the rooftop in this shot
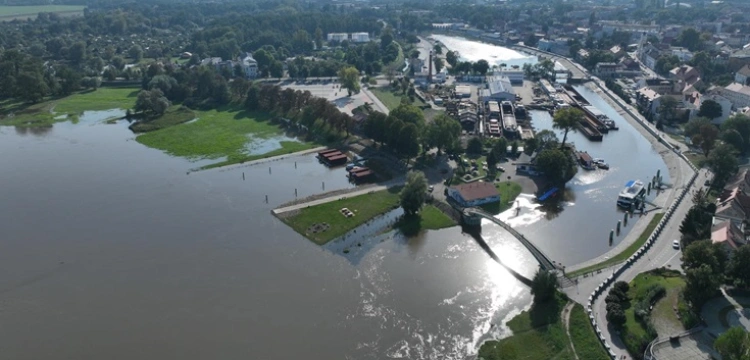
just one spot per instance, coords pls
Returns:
(476, 190)
(739, 88)
(499, 84)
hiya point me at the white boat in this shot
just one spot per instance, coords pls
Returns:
(633, 190)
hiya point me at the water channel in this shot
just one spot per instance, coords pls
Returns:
(114, 250)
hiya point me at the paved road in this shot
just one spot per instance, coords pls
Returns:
(662, 254)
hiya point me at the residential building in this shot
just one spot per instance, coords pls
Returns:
(609, 26)
(683, 54)
(582, 55)
(474, 194)
(360, 37)
(729, 234)
(649, 55)
(498, 89)
(249, 66)
(337, 37)
(732, 210)
(686, 77)
(217, 63)
(737, 93)
(739, 58)
(617, 51)
(606, 70)
(647, 100)
(742, 75)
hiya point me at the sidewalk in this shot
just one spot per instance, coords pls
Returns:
(338, 196)
(374, 99)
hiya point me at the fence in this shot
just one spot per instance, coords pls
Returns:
(654, 235)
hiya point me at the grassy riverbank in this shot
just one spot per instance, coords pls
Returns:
(55, 110)
(625, 254)
(430, 218)
(174, 116)
(231, 133)
(585, 341)
(509, 191)
(365, 207)
(538, 334)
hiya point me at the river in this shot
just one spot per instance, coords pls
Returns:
(112, 250)
(474, 51)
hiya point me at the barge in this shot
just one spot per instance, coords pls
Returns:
(632, 194)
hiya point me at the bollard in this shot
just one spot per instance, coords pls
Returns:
(625, 219)
(611, 235)
(618, 226)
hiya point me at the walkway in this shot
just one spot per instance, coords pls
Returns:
(339, 196)
(566, 321)
(543, 259)
(375, 101)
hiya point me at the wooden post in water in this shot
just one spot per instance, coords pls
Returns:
(324, 185)
(295, 164)
(295, 192)
(266, 199)
(243, 176)
(269, 170)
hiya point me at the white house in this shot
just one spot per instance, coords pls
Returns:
(474, 194)
(360, 37)
(337, 37)
(249, 66)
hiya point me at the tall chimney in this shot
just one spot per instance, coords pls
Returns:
(429, 72)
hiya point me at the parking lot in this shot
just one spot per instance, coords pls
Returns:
(333, 92)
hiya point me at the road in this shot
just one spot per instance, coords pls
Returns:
(661, 254)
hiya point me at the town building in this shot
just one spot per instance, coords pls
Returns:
(686, 78)
(737, 93)
(360, 37)
(694, 101)
(683, 54)
(617, 51)
(474, 194)
(498, 89)
(649, 55)
(732, 210)
(515, 76)
(742, 75)
(647, 100)
(606, 70)
(337, 37)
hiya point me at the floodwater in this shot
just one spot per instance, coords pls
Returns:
(474, 51)
(114, 250)
(579, 230)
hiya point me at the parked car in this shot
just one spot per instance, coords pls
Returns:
(676, 244)
(431, 188)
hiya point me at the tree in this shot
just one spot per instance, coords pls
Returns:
(701, 285)
(408, 141)
(91, 82)
(443, 132)
(665, 63)
(252, 98)
(733, 137)
(409, 114)
(741, 123)
(31, 86)
(492, 162)
(567, 119)
(437, 49)
(667, 108)
(703, 252)
(438, 64)
(481, 67)
(452, 58)
(349, 78)
(546, 139)
(723, 162)
(414, 193)
(77, 53)
(151, 102)
(500, 148)
(691, 39)
(474, 146)
(616, 316)
(386, 38)
(555, 164)
(136, 53)
(706, 138)
(710, 109)
(734, 344)
(70, 80)
(693, 127)
(739, 267)
(543, 286)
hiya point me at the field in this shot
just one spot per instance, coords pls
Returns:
(8, 13)
(220, 133)
(625, 254)
(365, 207)
(174, 116)
(44, 113)
(537, 334)
(584, 338)
(390, 99)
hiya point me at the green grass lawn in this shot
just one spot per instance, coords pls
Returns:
(220, 133)
(365, 207)
(45, 113)
(697, 159)
(33, 10)
(390, 99)
(635, 335)
(430, 218)
(584, 337)
(625, 254)
(508, 190)
(537, 334)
